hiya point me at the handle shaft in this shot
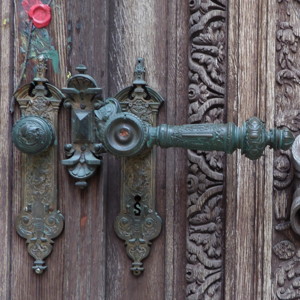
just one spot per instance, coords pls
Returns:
(252, 137)
(124, 134)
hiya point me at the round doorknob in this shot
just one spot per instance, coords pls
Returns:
(33, 134)
(124, 134)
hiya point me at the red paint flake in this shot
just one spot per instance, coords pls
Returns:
(83, 221)
(39, 13)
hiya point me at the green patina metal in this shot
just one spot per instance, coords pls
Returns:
(125, 126)
(40, 44)
(131, 134)
(39, 220)
(138, 222)
(33, 134)
(252, 137)
(83, 155)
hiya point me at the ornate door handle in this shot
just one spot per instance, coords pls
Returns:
(34, 134)
(124, 134)
(125, 126)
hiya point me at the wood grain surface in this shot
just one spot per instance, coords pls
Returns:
(251, 54)
(88, 260)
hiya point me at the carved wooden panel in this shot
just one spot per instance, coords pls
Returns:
(286, 244)
(205, 183)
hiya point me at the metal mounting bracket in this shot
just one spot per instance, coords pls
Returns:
(138, 223)
(83, 96)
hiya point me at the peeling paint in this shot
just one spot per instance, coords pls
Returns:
(41, 44)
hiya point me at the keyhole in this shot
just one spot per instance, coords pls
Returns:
(137, 205)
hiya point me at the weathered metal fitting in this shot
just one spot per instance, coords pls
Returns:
(33, 134)
(39, 221)
(252, 137)
(295, 212)
(125, 134)
(281, 138)
(83, 155)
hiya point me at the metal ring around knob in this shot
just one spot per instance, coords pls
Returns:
(124, 134)
(33, 134)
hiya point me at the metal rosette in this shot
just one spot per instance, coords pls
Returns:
(125, 134)
(33, 134)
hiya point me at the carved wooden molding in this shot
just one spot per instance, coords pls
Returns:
(205, 183)
(286, 245)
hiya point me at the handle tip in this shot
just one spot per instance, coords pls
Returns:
(283, 139)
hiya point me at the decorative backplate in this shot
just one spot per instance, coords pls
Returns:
(138, 223)
(39, 221)
(84, 155)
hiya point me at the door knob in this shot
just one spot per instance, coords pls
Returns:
(295, 206)
(33, 134)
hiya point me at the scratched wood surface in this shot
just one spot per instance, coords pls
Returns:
(251, 49)
(6, 148)
(135, 34)
(88, 260)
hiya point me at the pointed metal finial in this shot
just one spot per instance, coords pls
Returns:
(139, 72)
(81, 69)
(41, 69)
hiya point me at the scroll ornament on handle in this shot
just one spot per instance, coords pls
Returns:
(34, 134)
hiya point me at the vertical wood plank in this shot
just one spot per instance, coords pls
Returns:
(176, 113)
(134, 33)
(29, 285)
(76, 265)
(156, 31)
(6, 43)
(251, 81)
(86, 27)
(88, 256)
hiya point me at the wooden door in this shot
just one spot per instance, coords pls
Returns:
(213, 61)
